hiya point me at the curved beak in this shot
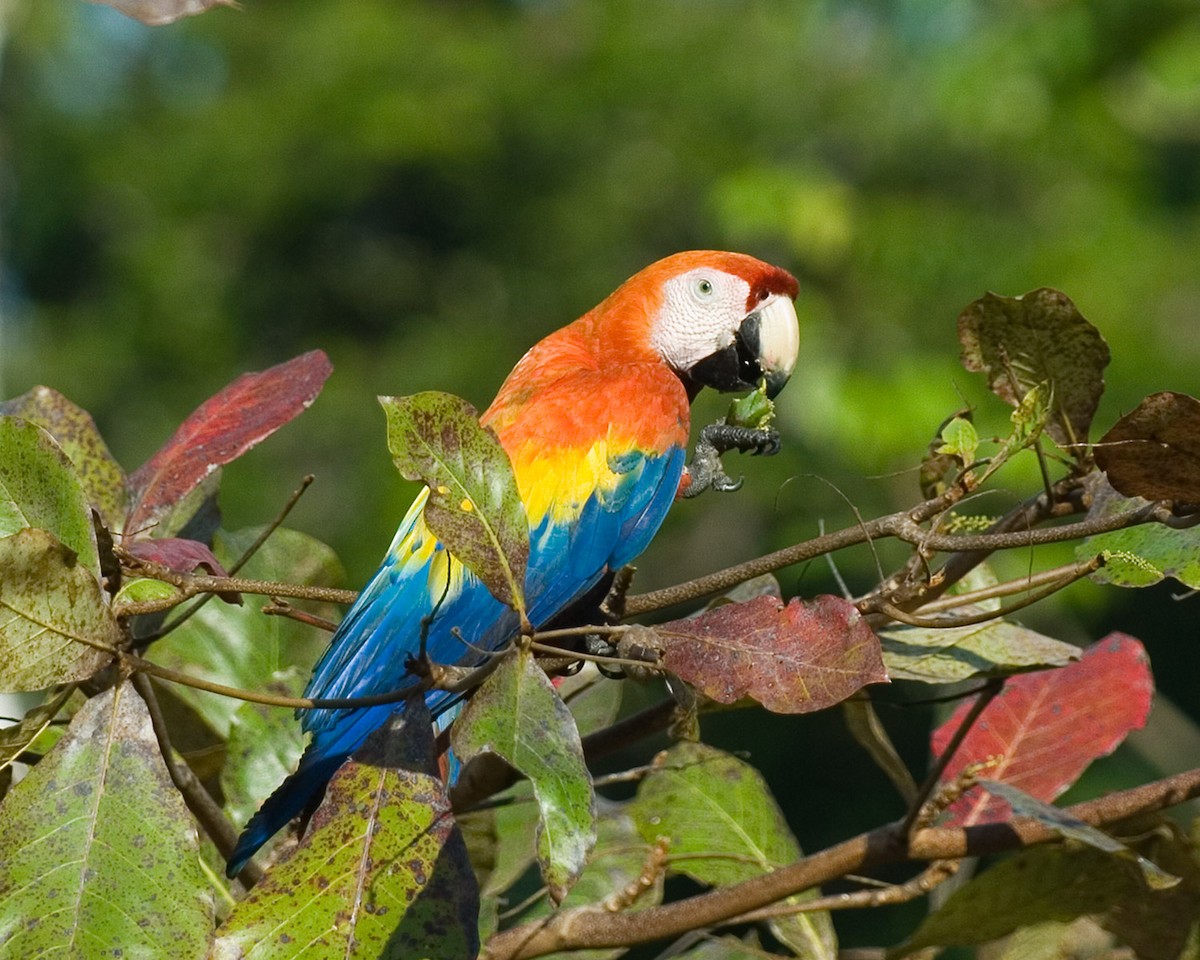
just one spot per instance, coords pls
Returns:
(764, 349)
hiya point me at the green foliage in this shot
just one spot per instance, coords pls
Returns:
(39, 489)
(947, 654)
(97, 852)
(722, 825)
(383, 871)
(57, 623)
(518, 717)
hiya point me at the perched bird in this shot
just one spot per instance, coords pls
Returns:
(595, 419)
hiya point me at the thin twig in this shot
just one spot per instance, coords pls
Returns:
(937, 873)
(241, 561)
(986, 696)
(198, 800)
(879, 605)
(1006, 589)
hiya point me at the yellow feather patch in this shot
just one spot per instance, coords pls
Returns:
(559, 482)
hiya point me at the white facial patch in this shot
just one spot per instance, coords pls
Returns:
(700, 314)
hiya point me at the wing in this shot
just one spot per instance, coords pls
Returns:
(601, 512)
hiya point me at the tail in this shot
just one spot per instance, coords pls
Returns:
(300, 792)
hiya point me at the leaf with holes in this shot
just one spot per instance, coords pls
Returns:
(97, 845)
(220, 430)
(75, 431)
(1154, 451)
(55, 625)
(1043, 729)
(793, 658)
(39, 488)
(474, 505)
(1040, 337)
(517, 715)
(381, 872)
(724, 827)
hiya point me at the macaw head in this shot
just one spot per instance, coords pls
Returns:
(725, 320)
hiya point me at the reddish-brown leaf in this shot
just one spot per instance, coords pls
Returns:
(1044, 729)
(792, 659)
(1154, 451)
(221, 429)
(185, 556)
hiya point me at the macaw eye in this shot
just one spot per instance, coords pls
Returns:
(703, 287)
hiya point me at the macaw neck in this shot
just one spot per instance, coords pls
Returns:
(595, 379)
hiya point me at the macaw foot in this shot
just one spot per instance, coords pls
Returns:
(705, 472)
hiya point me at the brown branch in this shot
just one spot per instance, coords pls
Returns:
(587, 928)
(140, 665)
(204, 808)
(968, 549)
(191, 585)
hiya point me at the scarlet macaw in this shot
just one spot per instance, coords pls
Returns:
(595, 420)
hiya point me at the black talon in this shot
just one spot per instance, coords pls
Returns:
(706, 471)
(599, 646)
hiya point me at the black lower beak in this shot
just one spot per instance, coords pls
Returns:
(735, 367)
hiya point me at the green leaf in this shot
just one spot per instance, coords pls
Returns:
(726, 948)
(723, 827)
(474, 505)
(755, 410)
(1040, 337)
(264, 747)
(1033, 886)
(98, 854)
(53, 615)
(991, 649)
(502, 842)
(594, 699)
(618, 861)
(518, 716)
(75, 431)
(1072, 828)
(16, 739)
(39, 488)
(382, 871)
(960, 440)
(141, 589)
(239, 646)
(1138, 556)
(1029, 419)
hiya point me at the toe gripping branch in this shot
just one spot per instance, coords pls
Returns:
(706, 472)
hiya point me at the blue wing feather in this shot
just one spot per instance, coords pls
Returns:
(370, 650)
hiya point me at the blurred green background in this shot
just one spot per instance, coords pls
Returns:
(423, 189)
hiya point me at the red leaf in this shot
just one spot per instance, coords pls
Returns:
(221, 429)
(186, 556)
(1046, 728)
(792, 659)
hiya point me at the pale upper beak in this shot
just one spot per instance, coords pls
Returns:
(764, 348)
